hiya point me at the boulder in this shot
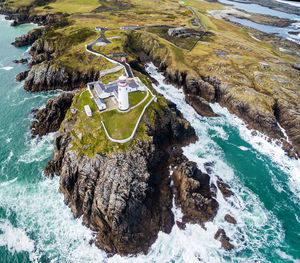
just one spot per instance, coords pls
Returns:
(224, 239)
(230, 219)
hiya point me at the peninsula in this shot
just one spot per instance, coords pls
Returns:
(118, 142)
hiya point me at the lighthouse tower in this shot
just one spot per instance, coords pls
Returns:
(123, 93)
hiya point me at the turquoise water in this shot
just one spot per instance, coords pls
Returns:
(36, 226)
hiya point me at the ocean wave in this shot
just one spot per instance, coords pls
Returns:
(7, 68)
(270, 148)
(256, 226)
(16, 240)
(289, 3)
(40, 210)
(37, 149)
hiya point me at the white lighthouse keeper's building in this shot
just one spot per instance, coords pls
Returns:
(123, 93)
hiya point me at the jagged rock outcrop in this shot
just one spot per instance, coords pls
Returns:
(22, 75)
(193, 193)
(49, 118)
(290, 120)
(23, 15)
(48, 76)
(28, 38)
(224, 239)
(230, 219)
(125, 196)
(22, 60)
(200, 105)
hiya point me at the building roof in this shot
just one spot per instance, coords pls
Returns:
(100, 104)
(88, 110)
(133, 84)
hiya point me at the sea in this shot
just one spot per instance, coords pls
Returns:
(36, 225)
(291, 32)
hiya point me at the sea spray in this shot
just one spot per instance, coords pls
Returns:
(258, 229)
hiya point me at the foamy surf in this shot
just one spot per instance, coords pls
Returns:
(293, 3)
(37, 149)
(7, 68)
(16, 240)
(252, 232)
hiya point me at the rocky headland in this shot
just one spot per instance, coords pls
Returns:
(126, 196)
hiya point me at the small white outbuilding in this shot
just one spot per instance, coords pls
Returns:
(88, 110)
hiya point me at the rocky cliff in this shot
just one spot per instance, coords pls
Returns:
(126, 196)
(49, 118)
(24, 15)
(264, 111)
(47, 71)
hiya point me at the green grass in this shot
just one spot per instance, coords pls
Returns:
(136, 97)
(85, 99)
(112, 76)
(120, 125)
(72, 6)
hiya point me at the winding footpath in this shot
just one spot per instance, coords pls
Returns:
(89, 48)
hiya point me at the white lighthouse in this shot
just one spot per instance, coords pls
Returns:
(123, 93)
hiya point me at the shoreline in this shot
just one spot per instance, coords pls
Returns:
(77, 208)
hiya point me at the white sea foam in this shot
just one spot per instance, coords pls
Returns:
(37, 149)
(293, 3)
(6, 183)
(262, 144)
(16, 239)
(6, 161)
(286, 257)
(40, 210)
(253, 219)
(243, 148)
(7, 68)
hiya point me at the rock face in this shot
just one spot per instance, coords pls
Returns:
(47, 76)
(49, 118)
(125, 196)
(22, 75)
(22, 15)
(200, 105)
(28, 38)
(193, 193)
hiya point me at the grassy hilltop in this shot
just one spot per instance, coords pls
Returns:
(257, 72)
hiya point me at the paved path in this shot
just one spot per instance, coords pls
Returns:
(129, 74)
(103, 39)
(136, 125)
(202, 27)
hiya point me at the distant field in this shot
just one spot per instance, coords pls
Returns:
(71, 6)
